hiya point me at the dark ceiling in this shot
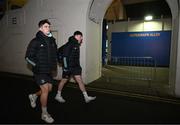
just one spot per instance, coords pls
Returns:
(157, 8)
(137, 10)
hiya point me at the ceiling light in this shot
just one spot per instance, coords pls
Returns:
(107, 27)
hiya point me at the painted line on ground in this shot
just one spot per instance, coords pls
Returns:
(132, 95)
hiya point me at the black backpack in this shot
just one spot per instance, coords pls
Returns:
(60, 53)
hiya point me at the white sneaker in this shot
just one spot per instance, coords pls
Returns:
(60, 98)
(89, 98)
(32, 100)
(47, 118)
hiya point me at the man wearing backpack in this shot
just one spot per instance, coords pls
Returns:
(71, 66)
(41, 54)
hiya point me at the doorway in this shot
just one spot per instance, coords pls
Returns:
(141, 71)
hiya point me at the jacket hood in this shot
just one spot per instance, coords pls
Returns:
(74, 40)
(41, 35)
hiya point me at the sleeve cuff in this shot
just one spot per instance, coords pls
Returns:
(29, 61)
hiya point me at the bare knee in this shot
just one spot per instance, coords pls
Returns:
(44, 89)
(78, 78)
(63, 80)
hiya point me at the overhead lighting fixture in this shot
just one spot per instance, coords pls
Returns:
(148, 18)
(107, 27)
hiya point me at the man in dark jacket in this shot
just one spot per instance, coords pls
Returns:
(42, 55)
(71, 66)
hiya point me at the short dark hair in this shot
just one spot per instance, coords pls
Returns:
(42, 22)
(78, 33)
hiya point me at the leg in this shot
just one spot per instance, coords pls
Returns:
(62, 83)
(43, 80)
(44, 94)
(79, 80)
(65, 78)
(50, 87)
(58, 96)
(43, 99)
(33, 97)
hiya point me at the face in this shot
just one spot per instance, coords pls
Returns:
(79, 38)
(45, 29)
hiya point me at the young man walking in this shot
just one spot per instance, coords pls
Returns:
(71, 66)
(42, 55)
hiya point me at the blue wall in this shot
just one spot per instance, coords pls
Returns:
(143, 44)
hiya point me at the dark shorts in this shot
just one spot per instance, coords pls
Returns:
(72, 72)
(42, 79)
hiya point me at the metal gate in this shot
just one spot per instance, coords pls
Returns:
(138, 68)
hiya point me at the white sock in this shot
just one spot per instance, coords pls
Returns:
(59, 92)
(85, 94)
(35, 96)
(44, 110)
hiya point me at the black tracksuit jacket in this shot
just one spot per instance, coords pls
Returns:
(42, 53)
(71, 54)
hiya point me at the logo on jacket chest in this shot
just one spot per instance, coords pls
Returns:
(43, 45)
(75, 48)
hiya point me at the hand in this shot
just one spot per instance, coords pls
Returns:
(65, 69)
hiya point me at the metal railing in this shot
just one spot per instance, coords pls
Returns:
(142, 68)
